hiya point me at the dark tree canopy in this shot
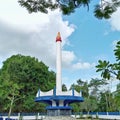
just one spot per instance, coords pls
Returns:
(22, 76)
(104, 9)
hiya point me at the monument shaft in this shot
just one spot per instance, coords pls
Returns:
(58, 63)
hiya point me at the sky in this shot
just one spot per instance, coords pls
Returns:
(85, 39)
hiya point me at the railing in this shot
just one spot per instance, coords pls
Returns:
(96, 113)
(23, 114)
(73, 113)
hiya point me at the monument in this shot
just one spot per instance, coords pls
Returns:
(58, 101)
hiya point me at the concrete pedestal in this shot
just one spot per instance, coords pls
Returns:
(58, 112)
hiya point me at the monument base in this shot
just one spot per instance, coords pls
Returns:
(58, 112)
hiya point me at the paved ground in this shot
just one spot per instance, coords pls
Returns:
(106, 117)
(60, 118)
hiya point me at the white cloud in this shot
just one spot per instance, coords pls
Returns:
(67, 58)
(83, 65)
(36, 42)
(115, 20)
(34, 34)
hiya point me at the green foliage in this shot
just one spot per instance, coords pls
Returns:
(81, 86)
(21, 77)
(104, 67)
(116, 95)
(107, 69)
(106, 9)
(90, 104)
(95, 86)
(66, 10)
(75, 107)
(64, 88)
(117, 51)
(107, 102)
(103, 13)
(95, 99)
(38, 5)
(103, 10)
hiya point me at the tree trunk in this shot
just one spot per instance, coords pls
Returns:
(106, 102)
(11, 105)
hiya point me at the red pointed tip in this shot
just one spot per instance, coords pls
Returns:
(58, 38)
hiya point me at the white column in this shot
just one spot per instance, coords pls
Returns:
(58, 64)
(53, 103)
(61, 103)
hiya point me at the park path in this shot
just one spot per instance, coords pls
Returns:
(107, 117)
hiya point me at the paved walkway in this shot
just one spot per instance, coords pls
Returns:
(107, 117)
(110, 117)
(60, 118)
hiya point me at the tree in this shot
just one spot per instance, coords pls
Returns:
(80, 82)
(107, 102)
(9, 91)
(108, 69)
(102, 10)
(20, 78)
(64, 88)
(95, 85)
(103, 104)
(81, 86)
(95, 97)
(90, 104)
(116, 95)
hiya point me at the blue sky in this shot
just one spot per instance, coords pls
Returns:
(92, 39)
(85, 38)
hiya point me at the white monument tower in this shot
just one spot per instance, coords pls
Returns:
(59, 101)
(58, 63)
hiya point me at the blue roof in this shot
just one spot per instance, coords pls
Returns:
(67, 99)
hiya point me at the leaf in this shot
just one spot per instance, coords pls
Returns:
(98, 70)
(117, 51)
